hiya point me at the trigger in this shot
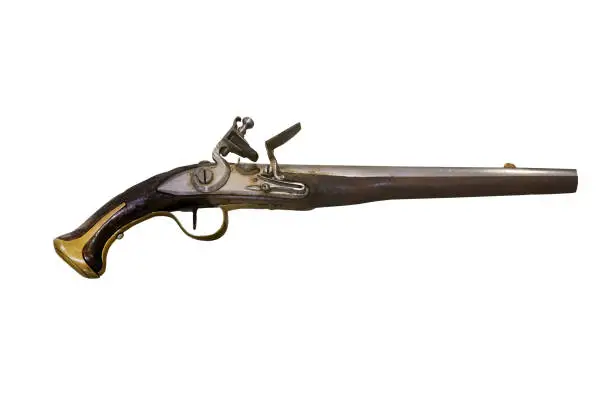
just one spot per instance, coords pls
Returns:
(195, 218)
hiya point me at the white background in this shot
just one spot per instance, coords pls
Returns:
(482, 302)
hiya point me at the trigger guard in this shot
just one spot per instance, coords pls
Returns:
(212, 237)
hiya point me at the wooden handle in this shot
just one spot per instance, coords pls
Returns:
(85, 248)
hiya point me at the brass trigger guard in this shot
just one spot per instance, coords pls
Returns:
(212, 237)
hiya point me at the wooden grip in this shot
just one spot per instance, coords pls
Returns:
(72, 249)
(85, 248)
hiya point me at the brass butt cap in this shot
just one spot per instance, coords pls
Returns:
(72, 253)
(71, 250)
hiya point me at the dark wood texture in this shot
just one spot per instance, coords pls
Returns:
(327, 191)
(324, 191)
(141, 200)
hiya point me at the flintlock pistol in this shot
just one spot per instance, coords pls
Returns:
(230, 186)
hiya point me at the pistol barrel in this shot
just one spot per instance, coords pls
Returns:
(345, 185)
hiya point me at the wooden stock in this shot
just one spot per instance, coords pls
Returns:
(85, 248)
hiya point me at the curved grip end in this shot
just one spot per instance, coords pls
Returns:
(70, 248)
(72, 253)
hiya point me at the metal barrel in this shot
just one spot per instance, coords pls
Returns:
(344, 185)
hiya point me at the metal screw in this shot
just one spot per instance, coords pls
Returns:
(204, 176)
(120, 236)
